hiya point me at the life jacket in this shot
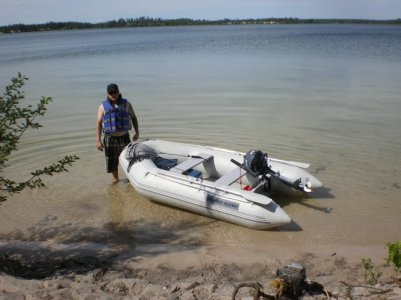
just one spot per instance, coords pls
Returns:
(116, 119)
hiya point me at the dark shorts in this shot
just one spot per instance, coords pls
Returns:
(113, 146)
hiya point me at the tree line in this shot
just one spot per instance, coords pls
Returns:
(148, 22)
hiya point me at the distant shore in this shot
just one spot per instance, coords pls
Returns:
(157, 22)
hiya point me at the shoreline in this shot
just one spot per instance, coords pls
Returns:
(118, 256)
(158, 22)
(99, 246)
(166, 272)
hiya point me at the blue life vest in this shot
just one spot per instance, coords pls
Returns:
(116, 119)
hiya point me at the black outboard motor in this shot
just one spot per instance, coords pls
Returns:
(255, 162)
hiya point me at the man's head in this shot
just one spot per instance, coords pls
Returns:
(112, 92)
(112, 88)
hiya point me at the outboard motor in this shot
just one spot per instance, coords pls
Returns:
(255, 162)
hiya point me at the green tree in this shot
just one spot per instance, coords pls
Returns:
(14, 121)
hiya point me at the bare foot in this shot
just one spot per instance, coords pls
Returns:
(115, 177)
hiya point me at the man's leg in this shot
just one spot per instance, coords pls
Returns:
(115, 176)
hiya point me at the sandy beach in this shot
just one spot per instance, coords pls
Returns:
(44, 271)
(60, 259)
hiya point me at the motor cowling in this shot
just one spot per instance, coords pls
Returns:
(255, 162)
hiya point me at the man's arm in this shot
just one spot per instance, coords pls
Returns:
(99, 128)
(134, 121)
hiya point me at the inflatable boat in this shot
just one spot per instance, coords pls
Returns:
(218, 183)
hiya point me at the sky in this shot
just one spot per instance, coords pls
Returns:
(42, 11)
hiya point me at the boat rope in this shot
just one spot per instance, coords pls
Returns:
(191, 182)
(139, 151)
(136, 152)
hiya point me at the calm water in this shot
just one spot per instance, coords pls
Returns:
(327, 95)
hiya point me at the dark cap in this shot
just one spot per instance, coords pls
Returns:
(112, 87)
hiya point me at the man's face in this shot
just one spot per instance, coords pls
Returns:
(113, 95)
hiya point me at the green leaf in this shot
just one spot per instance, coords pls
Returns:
(14, 121)
(394, 254)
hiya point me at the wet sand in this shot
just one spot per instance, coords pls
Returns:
(45, 270)
(94, 249)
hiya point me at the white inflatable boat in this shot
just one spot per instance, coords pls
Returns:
(218, 183)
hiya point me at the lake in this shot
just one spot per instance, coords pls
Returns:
(328, 95)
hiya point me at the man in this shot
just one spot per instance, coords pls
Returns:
(114, 118)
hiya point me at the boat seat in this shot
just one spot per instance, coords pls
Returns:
(190, 163)
(232, 176)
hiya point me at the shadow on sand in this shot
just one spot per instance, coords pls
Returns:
(51, 250)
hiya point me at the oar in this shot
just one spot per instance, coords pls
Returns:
(291, 163)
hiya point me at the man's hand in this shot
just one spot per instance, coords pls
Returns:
(99, 145)
(136, 136)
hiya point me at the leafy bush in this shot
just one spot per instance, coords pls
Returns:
(372, 273)
(394, 254)
(14, 121)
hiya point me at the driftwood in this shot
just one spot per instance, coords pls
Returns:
(372, 290)
(257, 291)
